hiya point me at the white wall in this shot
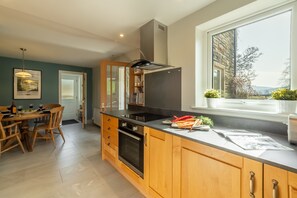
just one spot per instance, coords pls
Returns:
(181, 43)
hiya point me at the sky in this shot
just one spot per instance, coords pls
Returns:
(272, 37)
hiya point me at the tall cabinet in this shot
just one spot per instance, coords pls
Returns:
(114, 85)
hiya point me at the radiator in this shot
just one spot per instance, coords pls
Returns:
(96, 116)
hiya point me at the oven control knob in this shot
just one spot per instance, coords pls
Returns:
(135, 128)
(124, 124)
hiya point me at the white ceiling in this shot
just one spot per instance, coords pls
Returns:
(77, 32)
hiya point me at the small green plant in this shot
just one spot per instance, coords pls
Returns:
(206, 121)
(284, 94)
(212, 93)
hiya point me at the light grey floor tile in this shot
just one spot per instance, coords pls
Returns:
(71, 169)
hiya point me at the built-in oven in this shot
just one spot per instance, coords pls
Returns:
(131, 145)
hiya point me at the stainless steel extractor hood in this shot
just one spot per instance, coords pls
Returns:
(153, 47)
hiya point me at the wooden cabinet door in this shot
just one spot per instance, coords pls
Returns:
(204, 172)
(252, 179)
(292, 179)
(158, 163)
(114, 85)
(205, 177)
(275, 182)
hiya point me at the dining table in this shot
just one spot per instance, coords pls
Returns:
(24, 118)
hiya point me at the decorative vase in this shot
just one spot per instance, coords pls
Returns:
(286, 106)
(213, 102)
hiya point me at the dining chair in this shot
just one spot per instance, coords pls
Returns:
(50, 128)
(4, 108)
(9, 136)
(44, 120)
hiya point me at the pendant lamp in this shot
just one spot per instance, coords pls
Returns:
(23, 73)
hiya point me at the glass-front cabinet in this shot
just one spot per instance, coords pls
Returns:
(114, 88)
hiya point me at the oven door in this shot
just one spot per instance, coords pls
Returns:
(131, 150)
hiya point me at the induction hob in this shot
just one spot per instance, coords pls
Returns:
(144, 117)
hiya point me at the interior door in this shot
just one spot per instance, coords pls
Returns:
(114, 90)
(70, 98)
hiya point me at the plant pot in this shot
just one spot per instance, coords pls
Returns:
(286, 106)
(213, 102)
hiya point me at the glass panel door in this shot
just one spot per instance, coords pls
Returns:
(114, 80)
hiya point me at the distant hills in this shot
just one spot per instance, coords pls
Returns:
(264, 91)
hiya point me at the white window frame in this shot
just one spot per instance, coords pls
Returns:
(204, 32)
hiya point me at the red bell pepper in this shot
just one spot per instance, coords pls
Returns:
(186, 117)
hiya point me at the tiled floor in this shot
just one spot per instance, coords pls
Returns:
(73, 169)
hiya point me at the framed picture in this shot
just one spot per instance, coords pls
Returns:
(27, 88)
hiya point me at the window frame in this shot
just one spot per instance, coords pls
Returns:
(250, 104)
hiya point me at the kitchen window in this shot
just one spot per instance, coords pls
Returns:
(249, 59)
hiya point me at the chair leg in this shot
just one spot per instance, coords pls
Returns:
(34, 138)
(61, 133)
(20, 143)
(53, 138)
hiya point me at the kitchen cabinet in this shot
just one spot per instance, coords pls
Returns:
(109, 141)
(158, 163)
(252, 179)
(203, 171)
(275, 182)
(292, 182)
(114, 85)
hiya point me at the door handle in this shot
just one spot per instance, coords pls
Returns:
(274, 188)
(252, 184)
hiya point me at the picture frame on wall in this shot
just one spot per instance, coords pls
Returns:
(27, 88)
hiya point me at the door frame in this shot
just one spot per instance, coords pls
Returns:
(82, 74)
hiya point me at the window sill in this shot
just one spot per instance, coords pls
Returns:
(259, 115)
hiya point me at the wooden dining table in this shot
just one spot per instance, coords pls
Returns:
(24, 118)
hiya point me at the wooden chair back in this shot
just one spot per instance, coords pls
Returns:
(50, 106)
(2, 132)
(4, 108)
(55, 117)
(9, 136)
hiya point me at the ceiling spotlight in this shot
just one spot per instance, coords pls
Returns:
(122, 35)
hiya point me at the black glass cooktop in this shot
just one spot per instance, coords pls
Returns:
(144, 117)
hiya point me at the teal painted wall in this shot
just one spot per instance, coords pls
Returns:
(50, 82)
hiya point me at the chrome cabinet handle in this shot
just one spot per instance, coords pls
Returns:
(145, 139)
(274, 188)
(252, 184)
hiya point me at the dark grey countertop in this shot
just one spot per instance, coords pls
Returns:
(282, 159)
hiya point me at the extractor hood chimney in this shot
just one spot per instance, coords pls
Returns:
(153, 47)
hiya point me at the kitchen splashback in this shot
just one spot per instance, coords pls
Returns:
(163, 89)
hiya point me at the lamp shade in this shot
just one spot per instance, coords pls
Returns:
(23, 74)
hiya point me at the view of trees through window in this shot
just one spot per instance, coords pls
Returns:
(251, 61)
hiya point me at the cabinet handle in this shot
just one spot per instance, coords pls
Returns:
(274, 188)
(108, 119)
(108, 137)
(108, 144)
(145, 139)
(108, 128)
(252, 184)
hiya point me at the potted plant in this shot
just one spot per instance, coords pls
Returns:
(286, 100)
(212, 97)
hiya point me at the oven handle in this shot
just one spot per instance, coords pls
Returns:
(130, 135)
